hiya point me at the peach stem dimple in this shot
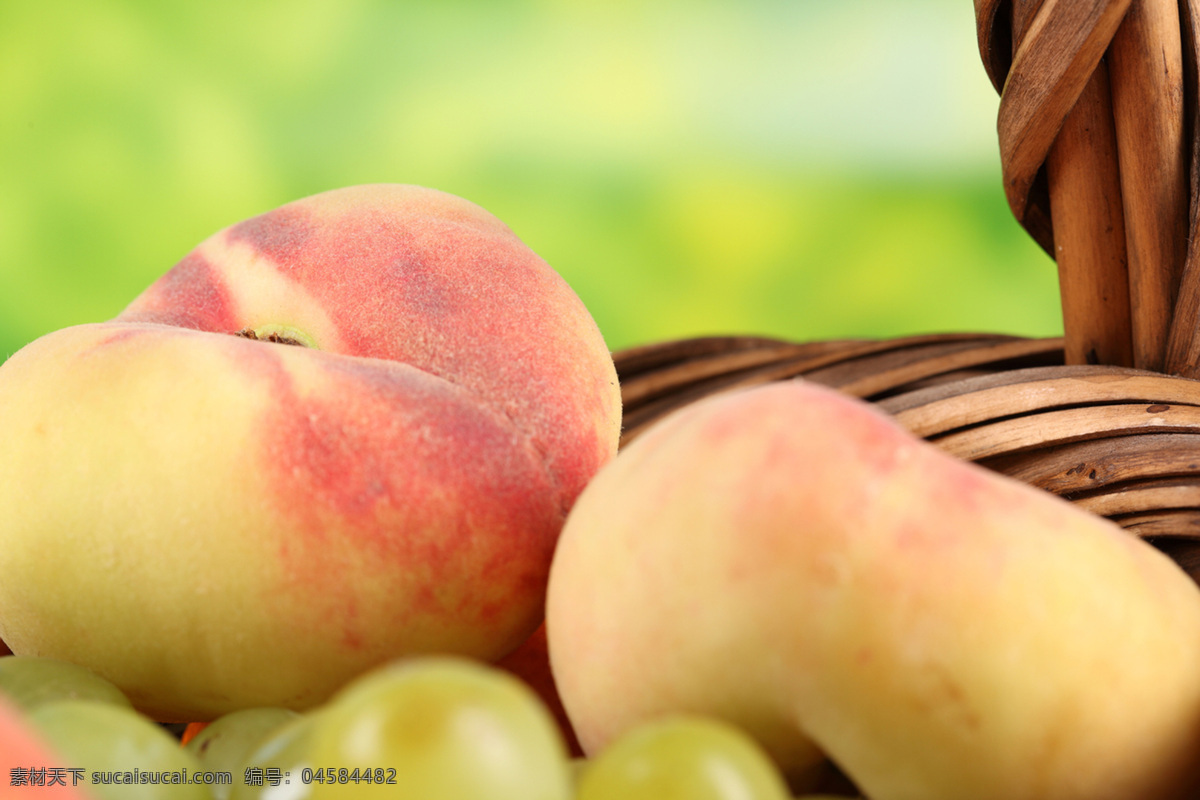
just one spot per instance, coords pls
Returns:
(279, 334)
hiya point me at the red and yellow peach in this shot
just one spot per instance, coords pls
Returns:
(342, 431)
(791, 560)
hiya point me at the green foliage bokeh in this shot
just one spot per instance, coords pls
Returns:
(799, 168)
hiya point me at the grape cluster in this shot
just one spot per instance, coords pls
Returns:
(431, 727)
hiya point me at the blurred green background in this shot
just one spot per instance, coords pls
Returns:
(798, 168)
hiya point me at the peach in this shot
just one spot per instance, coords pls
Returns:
(345, 430)
(789, 559)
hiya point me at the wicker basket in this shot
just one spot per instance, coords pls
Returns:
(1101, 164)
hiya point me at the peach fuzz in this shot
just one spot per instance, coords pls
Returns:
(343, 431)
(791, 560)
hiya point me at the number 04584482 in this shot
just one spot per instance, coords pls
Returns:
(344, 775)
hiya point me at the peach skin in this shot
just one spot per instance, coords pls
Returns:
(343, 431)
(791, 560)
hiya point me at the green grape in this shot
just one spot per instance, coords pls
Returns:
(443, 728)
(225, 743)
(122, 754)
(30, 681)
(277, 764)
(683, 758)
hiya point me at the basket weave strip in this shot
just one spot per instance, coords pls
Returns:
(1074, 469)
(1120, 442)
(683, 373)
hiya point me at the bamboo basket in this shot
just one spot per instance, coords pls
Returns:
(1100, 150)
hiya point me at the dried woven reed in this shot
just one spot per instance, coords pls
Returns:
(1097, 128)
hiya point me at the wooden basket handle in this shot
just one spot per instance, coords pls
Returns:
(1097, 132)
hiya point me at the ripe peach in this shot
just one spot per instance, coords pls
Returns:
(791, 560)
(342, 431)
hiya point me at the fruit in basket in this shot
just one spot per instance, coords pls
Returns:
(439, 727)
(531, 663)
(275, 768)
(226, 743)
(120, 754)
(31, 681)
(682, 758)
(790, 559)
(344, 430)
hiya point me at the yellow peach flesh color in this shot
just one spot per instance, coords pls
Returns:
(791, 560)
